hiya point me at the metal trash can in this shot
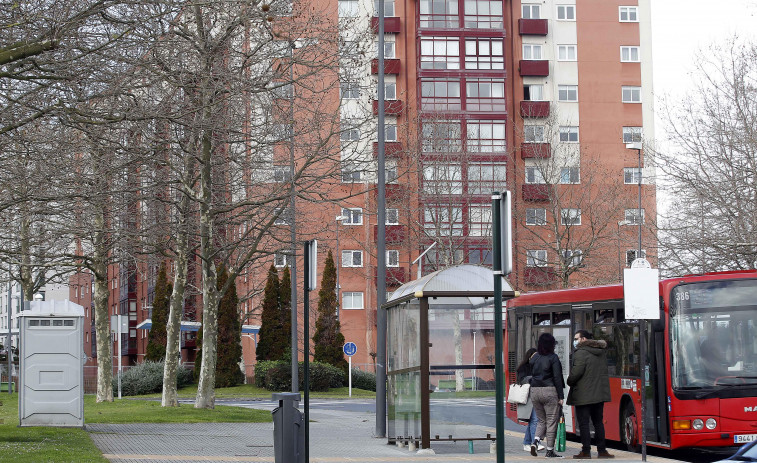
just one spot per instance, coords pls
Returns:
(288, 429)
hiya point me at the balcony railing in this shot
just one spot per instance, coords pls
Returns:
(392, 149)
(534, 108)
(535, 150)
(534, 68)
(535, 192)
(391, 24)
(391, 107)
(532, 26)
(391, 66)
(392, 233)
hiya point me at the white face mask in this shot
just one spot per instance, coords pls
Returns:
(575, 343)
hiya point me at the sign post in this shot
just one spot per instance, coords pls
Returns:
(641, 295)
(349, 350)
(119, 325)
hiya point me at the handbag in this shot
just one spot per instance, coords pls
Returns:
(560, 438)
(524, 410)
(518, 393)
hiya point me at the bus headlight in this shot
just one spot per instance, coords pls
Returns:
(697, 424)
(711, 423)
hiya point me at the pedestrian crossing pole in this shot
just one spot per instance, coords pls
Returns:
(502, 265)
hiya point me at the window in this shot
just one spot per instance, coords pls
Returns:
(631, 255)
(281, 259)
(483, 14)
(440, 53)
(567, 93)
(443, 220)
(388, 8)
(485, 95)
(349, 90)
(348, 8)
(480, 220)
(533, 133)
(352, 300)
(441, 136)
(634, 216)
(285, 91)
(533, 92)
(349, 132)
(531, 11)
(534, 175)
(483, 178)
(531, 51)
(352, 258)
(484, 54)
(566, 53)
(536, 258)
(566, 12)
(392, 216)
(439, 13)
(282, 174)
(572, 257)
(283, 216)
(354, 216)
(440, 95)
(441, 178)
(570, 175)
(390, 91)
(390, 171)
(631, 94)
(629, 55)
(392, 258)
(632, 134)
(486, 136)
(351, 172)
(536, 216)
(569, 134)
(631, 175)
(389, 50)
(570, 216)
(390, 132)
(629, 14)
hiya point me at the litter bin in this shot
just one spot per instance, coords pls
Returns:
(288, 429)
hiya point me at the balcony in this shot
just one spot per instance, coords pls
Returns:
(393, 234)
(395, 276)
(534, 108)
(532, 26)
(539, 276)
(392, 149)
(391, 66)
(534, 68)
(535, 150)
(391, 24)
(391, 107)
(535, 192)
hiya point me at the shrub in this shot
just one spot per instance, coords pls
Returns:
(277, 376)
(363, 380)
(147, 378)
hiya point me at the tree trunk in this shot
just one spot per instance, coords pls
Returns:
(173, 327)
(26, 282)
(459, 374)
(102, 318)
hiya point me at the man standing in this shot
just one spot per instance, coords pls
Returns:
(589, 390)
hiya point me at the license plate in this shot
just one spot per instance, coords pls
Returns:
(743, 438)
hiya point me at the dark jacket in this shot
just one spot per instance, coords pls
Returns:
(589, 380)
(523, 372)
(546, 371)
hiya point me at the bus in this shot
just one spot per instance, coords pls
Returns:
(701, 364)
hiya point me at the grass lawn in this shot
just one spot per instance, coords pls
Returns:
(63, 445)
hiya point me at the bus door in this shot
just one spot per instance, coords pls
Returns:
(582, 319)
(656, 344)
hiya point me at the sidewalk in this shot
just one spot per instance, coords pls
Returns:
(335, 436)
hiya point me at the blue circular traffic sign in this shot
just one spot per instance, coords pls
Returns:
(349, 349)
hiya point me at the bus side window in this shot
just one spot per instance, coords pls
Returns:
(605, 332)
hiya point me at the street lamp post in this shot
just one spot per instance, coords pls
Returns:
(620, 258)
(638, 147)
(338, 262)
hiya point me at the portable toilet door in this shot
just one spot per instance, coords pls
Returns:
(51, 387)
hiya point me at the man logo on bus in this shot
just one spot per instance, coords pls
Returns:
(750, 409)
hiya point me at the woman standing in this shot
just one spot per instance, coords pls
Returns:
(524, 376)
(547, 387)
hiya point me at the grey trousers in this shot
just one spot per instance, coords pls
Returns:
(547, 406)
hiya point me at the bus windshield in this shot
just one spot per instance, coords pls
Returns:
(713, 337)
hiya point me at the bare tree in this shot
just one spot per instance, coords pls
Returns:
(710, 172)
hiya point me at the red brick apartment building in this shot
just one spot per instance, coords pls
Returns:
(539, 98)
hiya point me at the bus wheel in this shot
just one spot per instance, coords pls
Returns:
(628, 428)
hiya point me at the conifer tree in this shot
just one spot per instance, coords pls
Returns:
(270, 319)
(285, 314)
(328, 339)
(156, 344)
(229, 335)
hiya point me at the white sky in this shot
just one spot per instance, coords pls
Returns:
(681, 27)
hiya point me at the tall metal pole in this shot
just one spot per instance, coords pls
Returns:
(8, 351)
(338, 264)
(642, 339)
(381, 245)
(306, 344)
(499, 370)
(293, 233)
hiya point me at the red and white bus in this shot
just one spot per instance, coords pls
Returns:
(701, 365)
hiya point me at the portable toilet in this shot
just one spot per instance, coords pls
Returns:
(51, 383)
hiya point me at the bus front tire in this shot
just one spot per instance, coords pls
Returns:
(629, 435)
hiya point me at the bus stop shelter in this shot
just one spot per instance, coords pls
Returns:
(440, 347)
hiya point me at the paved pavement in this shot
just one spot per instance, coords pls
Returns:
(335, 436)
